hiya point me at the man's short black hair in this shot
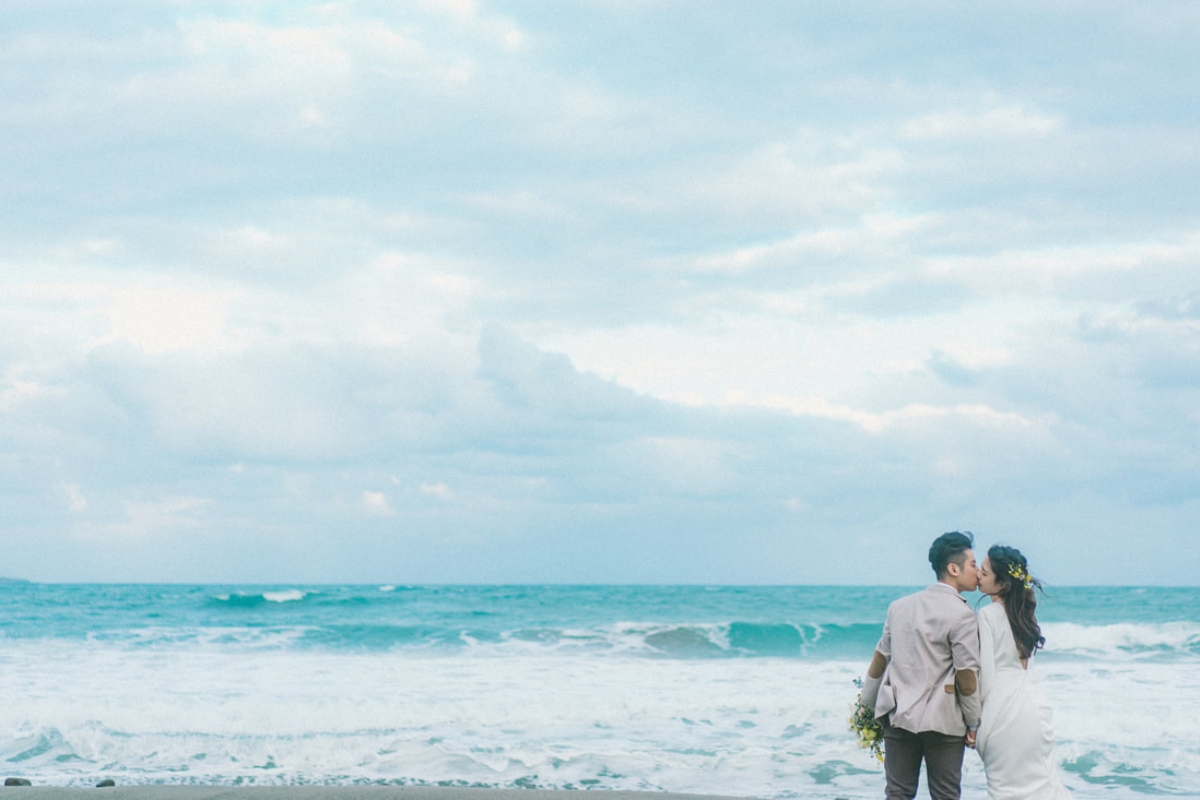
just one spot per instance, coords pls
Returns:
(948, 548)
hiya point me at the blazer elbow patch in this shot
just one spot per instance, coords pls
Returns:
(966, 682)
(878, 664)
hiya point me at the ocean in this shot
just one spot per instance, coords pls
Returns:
(730, 690)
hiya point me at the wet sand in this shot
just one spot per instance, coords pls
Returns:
(327, 793)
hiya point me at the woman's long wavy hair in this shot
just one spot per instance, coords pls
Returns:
(1017, 591)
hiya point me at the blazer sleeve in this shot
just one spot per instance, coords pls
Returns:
(987, 654)
(964, 650)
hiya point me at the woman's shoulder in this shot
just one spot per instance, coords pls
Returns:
(993, 611)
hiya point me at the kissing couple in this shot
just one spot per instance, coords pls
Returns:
(944, 678)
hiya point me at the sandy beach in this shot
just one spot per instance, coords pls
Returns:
(323, 793)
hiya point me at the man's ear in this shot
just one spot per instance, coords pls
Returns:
(953, 569)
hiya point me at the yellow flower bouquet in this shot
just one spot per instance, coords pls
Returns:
(866, 727)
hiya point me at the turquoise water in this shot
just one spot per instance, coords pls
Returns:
(797, 622)
(736, 690)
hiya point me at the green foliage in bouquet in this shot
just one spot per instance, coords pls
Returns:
(866, 727)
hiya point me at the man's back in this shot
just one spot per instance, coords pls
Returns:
(931, 643)
(923, 678)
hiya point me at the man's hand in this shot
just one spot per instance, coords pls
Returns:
(971, 739)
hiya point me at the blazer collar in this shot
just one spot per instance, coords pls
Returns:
(945, 589)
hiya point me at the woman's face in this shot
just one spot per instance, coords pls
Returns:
(987, 579)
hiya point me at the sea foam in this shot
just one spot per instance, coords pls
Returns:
(734, 690)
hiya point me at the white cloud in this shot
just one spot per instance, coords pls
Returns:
(143, 520)
(439, 490)
(803, 343)
(16, 393)
(879, 422)
(468, 15)
(997, 122)
(160, 319)
(75, 499)
(1077, 274)
(376, 503)
(876, 238)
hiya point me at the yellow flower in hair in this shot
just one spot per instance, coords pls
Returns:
(1018, 572)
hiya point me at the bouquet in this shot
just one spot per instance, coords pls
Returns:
(866, 727)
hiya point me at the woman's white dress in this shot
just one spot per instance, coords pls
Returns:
(1016, 734)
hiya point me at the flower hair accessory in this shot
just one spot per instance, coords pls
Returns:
(1019, 572)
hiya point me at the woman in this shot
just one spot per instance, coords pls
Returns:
(1015, 736)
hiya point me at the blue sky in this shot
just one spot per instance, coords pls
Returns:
(597, 291)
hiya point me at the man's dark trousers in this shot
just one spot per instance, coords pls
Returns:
(903, 752)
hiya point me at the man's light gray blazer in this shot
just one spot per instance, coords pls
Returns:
(930, 647)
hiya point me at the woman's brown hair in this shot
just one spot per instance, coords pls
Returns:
(1017, 591)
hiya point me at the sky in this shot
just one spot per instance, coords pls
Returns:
(599, 291)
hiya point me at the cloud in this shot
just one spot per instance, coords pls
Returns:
(163, 319)
(266, 403)
(950, 370)
(439, 490)
(999, 122)
(504, 294)
(376, 502)
(77, 502)
(531, 441)
(144, 519)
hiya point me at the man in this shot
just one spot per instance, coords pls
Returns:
(924, 677)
